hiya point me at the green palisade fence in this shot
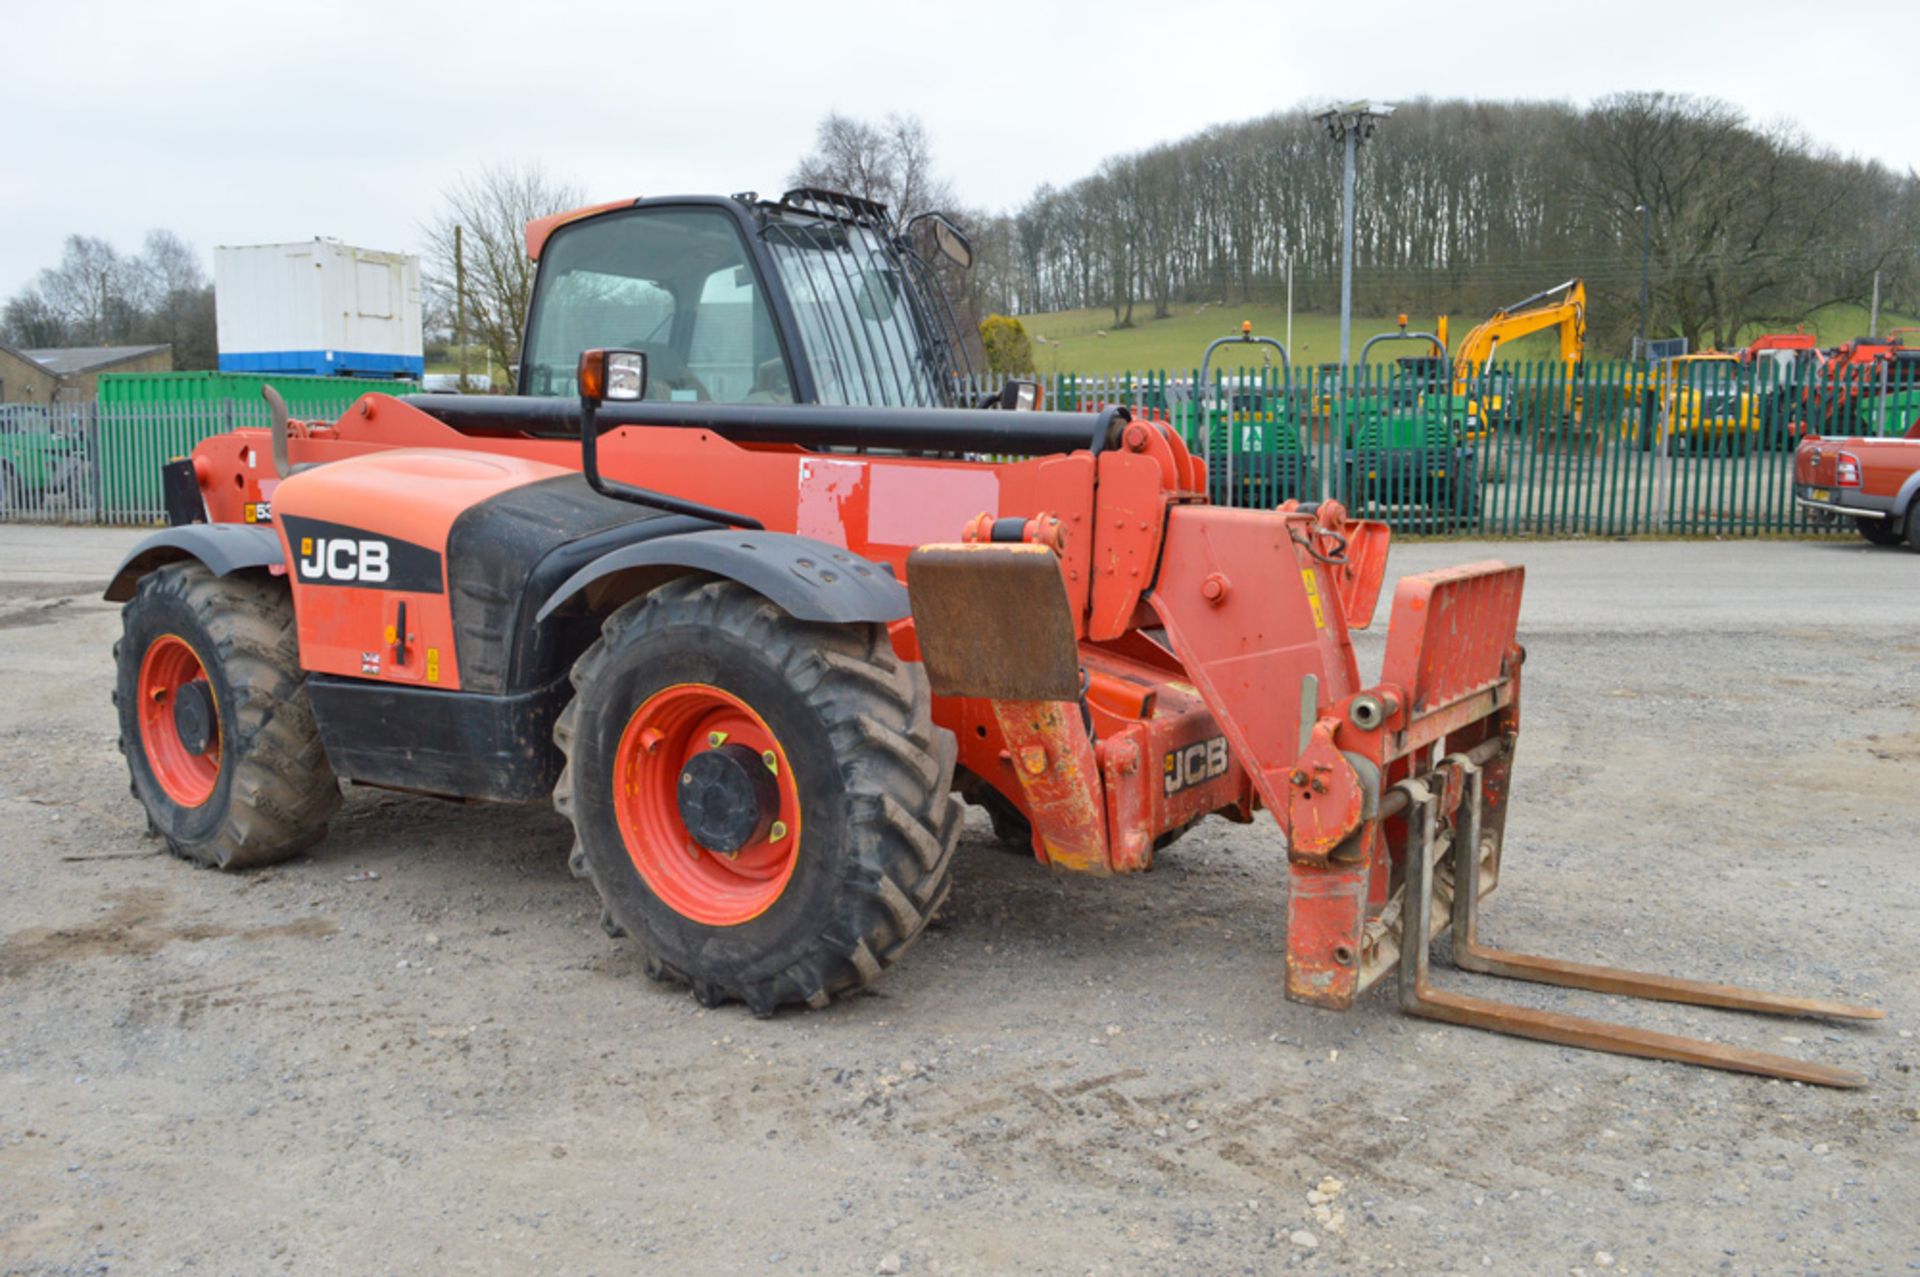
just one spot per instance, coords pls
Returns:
(1698, 448)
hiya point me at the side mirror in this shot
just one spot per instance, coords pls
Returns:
(946, 237)
(952, 244)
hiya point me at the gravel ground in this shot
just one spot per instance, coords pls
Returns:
(450, 1069)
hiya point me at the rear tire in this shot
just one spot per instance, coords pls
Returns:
(1913, 527)
(260, 789)
(865, 769)
(1881, 531)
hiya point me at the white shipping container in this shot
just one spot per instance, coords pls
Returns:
(320, 307)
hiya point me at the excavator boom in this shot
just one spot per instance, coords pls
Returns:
(1563, 307)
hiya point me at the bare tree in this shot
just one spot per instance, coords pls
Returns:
(31, 321)
(95, 292)
(491, 210)
(176, 300)
(98, 296)
(890, 162)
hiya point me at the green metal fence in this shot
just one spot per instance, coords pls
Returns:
(100, 463)
(1700, 447)
(1690, 448)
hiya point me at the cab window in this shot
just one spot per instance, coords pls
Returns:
(673, 283)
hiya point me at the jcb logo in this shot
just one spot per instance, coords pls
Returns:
(334, 554)
(1195, 764)
(344, 559)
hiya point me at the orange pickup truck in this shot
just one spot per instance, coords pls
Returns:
(1875, 482)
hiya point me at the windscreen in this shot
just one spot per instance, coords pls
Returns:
(864, 326)
(673, 283)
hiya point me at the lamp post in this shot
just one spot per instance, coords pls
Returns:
(1646, 243)
(1351, 125)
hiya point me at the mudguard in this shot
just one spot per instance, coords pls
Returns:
(811, 580)
(1903, 499)
(223, 547)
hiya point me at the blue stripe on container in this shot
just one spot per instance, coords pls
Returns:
(323, 363)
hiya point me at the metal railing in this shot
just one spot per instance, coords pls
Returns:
(93, 463)
(1697, 448)
(1694, 448)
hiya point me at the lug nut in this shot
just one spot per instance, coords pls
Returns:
(772, 760)
(778, 831)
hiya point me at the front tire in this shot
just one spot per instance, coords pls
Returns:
(793, 887)
(220, 742)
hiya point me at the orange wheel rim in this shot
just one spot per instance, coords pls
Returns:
(655, 765)
(179, 721)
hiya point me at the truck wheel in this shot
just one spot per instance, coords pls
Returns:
(762, 803)
(1880, 531)
(1913, 527)
(220, 741)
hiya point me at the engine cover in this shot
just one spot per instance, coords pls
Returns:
(366, 549)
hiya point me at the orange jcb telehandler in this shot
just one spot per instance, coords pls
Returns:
(733, 583)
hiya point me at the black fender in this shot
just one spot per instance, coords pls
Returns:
(224, 547)
(811, 580)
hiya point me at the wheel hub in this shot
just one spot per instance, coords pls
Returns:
(727, 798)
(707, 804)
(179, 720)
(193, 716)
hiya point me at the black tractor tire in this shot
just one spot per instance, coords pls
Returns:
(1913, 526)
(1881, 531)
(275, 788)
(872, 772)
(1012, 831)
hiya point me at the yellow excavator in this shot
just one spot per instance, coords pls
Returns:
(1563, 307)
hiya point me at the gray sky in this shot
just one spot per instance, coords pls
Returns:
(237, 123)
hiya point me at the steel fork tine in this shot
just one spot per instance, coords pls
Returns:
(1419, 998)
(1470, 955)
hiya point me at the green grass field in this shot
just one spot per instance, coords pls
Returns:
(1084, 341)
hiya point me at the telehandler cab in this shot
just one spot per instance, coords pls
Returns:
(732, 583)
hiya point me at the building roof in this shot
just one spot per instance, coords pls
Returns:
(67, 360)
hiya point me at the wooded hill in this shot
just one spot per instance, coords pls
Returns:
(1463, 206)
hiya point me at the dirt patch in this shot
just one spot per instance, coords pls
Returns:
(134, 926)
(41, 614)
(1892, 749)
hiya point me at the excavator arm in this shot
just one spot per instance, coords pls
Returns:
(1563, 307)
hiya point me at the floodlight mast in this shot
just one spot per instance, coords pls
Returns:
(1351, 124)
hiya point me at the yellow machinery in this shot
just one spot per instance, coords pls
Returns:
(1696, 400)
(1563, 307)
